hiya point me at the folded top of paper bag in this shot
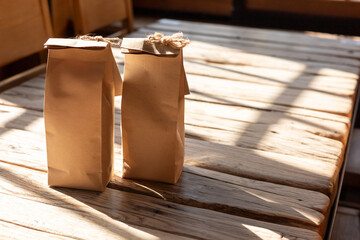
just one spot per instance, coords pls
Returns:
(143, 45)
(73, 43)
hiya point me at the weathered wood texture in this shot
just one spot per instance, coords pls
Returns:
(266, 127)
(205, 154)
(108, 214)
(245, 197)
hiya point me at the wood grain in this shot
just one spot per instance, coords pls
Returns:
(324, 184)
(39, 83)
(11, 231)
(134, 209)
(231, 56)
(233, 90)
(28, 148)
(254, 34)
(267, 49)
(269, 140)
(247, 198)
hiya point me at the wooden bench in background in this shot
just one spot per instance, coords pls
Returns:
(24, 28)
(87, 16)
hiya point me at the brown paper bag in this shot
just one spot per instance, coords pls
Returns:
(81, 79)
(152, 111)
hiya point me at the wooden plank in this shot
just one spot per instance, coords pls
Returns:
(347, 224)
(23, 147)
(331, 150)
(310, 173)
(259, 130)
(250, 108)
(275, 77)
(232, 118)
(254, 34)
(198, 96)
(294, 144)
(39, 83)
(268, 49)
(267, 76)
(244, 116)
(231, 56)
(241, 44)
(98, 217)
(307, 173)
(10, 231)
(28, 149)
(232, 90)
(269, 140)
(328, 8)
(242, 195)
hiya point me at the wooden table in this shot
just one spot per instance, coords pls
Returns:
(267, 124)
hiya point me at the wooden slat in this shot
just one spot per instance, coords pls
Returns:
(298, 180)
(294, 144)
(330, 129)
(267, 49)
(198, 96)
(233, 90)
(255, 34)
(231, 56)
(100, 218)
(38, 82)
(237, 116)
(244, 198)
(266, 46)
(314, 174)
(276, 77)
(269, 140)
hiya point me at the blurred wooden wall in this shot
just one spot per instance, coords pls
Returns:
(213, 7)
(327, 8)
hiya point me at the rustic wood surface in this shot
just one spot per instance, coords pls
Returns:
(266, 127)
